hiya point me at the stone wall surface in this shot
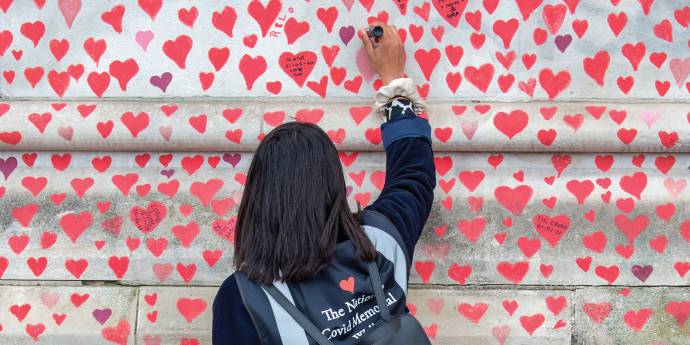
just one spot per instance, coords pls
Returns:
(560, 130)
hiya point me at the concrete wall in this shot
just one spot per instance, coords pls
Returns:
(560, 129)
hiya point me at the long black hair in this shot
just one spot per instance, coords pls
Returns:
(294, 207)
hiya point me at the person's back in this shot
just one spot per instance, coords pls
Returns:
(295, 229)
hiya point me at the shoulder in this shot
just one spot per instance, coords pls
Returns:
(228, 299)
(231, 319)
(228, 287)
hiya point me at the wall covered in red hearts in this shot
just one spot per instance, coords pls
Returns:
(560, 132)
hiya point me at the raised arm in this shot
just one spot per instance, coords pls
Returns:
(408, 192)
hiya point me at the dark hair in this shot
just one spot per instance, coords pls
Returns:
(294, 207)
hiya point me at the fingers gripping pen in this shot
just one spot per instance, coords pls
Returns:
(375, 33)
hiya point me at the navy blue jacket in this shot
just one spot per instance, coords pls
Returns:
(405, 199)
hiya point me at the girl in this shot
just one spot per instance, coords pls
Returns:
(295, 230)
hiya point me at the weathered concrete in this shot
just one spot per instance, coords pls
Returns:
(475, 233)
(168, 314)
(182, 78)
(635, 316)
(213, 125)
(67, 315)
(494, 316)
(452, 46)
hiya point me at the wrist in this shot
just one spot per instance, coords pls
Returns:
(404, 87)
(386, 79)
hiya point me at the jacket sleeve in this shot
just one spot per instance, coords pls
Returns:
(232, 324)
(408, 192)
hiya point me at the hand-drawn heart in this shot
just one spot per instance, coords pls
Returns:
(597, 312)
(147, 219)
(552, 229)
(191, 308)
(513, 199)
(74, 224)
(450, 10)
(511, 123)
(473, 228)
(298, 66)
(474, 313)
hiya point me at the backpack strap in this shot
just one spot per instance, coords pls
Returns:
(300, 318)
(252, 296)
(378, 290)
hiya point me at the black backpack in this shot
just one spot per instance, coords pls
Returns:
(402, 329)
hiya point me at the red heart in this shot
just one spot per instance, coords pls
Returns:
(98, 82)
(634, 184)
(506, 29)
(631, 228)
(264, 15)
(33, 31)
(178, 49)
(553, 17)
(298, 66)
(114, 17)
(664, 30)
(617, 22)
(218, 57)
(513, 272)
(252, 69)
(225, 20)
(610, 274)
(424, 269)
(595, 241)
(471, 179)
(427, 60)
(118, 334)
(552, 229)
(580, 27)
(147, 219)
(191, 308)
(474, 312)
(480, 77)
(527, 7)
(74, 224)
(327, 16)
(124, 71)
(472, 229)
(348, 284)
(598, 312)
(529, 247)
(596, 67)
(459, 273)
(552, 83)
(151, 7)
(511, 124)
(636, 320)
(295, 29)
(188, 16)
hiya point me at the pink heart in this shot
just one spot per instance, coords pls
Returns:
(50, 299)
(649, 117)
(674, 187)
(66, 132)
(469, 128)
(144, 38)
(69, 10)
(680, 69)
(501, 333)
(348, 4)
(364, 66)
(166, 132)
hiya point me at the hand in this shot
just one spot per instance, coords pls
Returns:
(386, 53)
